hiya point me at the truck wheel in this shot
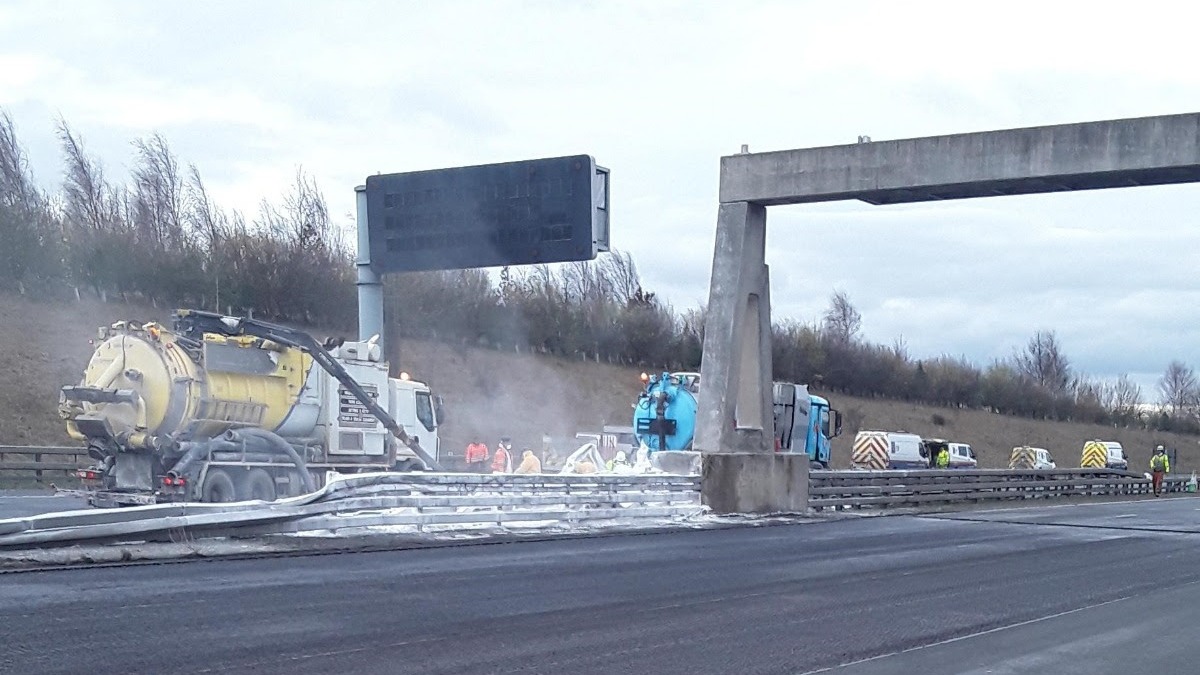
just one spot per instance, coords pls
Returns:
(218, 487)
(257, 484)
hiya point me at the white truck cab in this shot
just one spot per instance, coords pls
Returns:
(419, 412)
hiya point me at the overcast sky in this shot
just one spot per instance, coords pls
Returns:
(657, 92)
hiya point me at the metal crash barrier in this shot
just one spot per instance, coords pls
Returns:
(884, 489)
(381, 499)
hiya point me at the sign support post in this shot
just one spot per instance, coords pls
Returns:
(370, 286)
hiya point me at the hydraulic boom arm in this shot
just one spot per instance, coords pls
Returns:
(194, 323)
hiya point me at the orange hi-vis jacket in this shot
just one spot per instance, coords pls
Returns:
(500, 460)
(476, 452)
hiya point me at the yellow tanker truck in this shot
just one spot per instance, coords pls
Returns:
(221, 408)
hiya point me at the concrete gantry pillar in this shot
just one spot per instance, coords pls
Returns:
(735, 374)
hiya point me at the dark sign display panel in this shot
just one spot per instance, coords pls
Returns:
(515, 213)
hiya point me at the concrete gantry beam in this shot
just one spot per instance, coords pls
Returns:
(736, 381)
(1086, 156)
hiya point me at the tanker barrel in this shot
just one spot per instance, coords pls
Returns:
(196, 322)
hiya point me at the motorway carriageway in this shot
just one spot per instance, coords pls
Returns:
(1092, 588)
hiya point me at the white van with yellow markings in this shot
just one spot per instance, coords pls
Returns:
(1026, 457)
(888, 450)
(1100, 454)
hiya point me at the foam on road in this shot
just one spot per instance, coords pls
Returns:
(754, 601)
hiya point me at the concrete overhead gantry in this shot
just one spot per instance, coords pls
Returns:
(735, 422)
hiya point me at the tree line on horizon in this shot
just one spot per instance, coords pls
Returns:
(158, 236)
(1037, 380)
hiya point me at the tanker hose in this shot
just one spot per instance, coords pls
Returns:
(192, 450)
(280, 445)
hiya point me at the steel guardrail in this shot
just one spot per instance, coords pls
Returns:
(387, 498)
(41, 458)
(897, 488)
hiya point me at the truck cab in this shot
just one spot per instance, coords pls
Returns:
(804, 423)
(419, 412)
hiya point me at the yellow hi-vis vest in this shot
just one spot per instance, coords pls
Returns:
(1160, 463)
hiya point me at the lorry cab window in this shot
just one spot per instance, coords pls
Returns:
(425, 410)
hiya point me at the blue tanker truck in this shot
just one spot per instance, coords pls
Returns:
(664, 417)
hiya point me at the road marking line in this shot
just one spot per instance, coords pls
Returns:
(1019, 624)
(1128, 515)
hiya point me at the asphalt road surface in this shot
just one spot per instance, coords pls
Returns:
(1081, 589)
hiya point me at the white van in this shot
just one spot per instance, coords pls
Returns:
(962, 456)
(905, 451)
(1044, 459)
(1116, 456)
(888, 450)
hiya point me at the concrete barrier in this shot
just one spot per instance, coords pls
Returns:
(755, 482)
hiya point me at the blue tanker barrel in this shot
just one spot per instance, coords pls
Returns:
(678, 421)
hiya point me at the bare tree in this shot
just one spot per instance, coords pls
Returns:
(1044, 363)
(1178, 388)
(622, 275)
(842, 321)
(90, 201)
(203, 216)
(28, 230)
(1092, 402)
(17, 188)
(158, 193)
(1125, 396)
